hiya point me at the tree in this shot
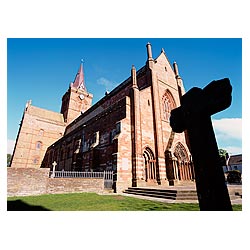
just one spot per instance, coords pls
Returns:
(8, 159)
(234, 176)
(223, 156)
(223, 152)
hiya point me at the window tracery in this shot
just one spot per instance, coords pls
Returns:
(168, 104)
(180, 152)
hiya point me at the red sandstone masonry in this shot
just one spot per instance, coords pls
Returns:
(27, 181)
(74, 185)
(33, 181)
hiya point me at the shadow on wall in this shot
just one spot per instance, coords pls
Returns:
(19, 205)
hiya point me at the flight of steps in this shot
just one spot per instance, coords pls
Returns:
(171, 194)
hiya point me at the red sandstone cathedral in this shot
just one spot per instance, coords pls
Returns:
(127, 131)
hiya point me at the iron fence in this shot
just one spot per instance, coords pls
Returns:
(76, 174)
(108, 179)
(107, 176)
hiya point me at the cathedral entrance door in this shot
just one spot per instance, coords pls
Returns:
(184, 167)
(149, 165)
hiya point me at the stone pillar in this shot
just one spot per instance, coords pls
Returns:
(186, 167)
(135, 129)
(149, 51)
(175, 168)
(159, 152)
(181, 171)
(184, 171)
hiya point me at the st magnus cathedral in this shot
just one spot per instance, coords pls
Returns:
(127, 131)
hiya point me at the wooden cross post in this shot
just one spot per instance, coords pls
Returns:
(193, 116)
(54, 169)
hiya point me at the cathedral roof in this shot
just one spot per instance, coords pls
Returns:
(79, 79)
(45, 114)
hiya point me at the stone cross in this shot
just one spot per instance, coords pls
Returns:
(193, 117)
(54, 168)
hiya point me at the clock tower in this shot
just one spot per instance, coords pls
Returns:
(76, 100)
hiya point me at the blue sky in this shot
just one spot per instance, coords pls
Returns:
(42, 69)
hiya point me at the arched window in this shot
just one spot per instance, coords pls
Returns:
(36, 160)
(55, 155)
(180, 152)
(184, 167)
(38, 145)
(168, 104)
(62, 154)
(149, 164)
(68, 152)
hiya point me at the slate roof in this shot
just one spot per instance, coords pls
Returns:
(235, 160)
(79, 79)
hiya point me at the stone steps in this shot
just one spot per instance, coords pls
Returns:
(178, 193)
(171, 194)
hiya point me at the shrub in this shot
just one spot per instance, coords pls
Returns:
(234, 176)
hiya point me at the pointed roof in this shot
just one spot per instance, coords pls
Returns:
(79, 79)
(163, 53)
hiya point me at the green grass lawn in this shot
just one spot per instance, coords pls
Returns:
(95, 202)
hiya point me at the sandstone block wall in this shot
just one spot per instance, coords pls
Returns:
(74, 185)
(27, 181)
(33, 181)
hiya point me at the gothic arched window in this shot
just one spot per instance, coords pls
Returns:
(168, 104)
(180, 152)
(166, 109)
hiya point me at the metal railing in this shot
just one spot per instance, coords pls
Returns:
(107, 176)
(76, 174)
(108, 179)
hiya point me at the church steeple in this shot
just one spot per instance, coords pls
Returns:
(76, 100)
(79, 79)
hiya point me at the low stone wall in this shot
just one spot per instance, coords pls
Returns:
(74, 185)
(27, 181)
(33, 181)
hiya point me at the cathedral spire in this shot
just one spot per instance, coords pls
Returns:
(79, 79)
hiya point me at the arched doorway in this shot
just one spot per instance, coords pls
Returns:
(149, 164)
(183, 166)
